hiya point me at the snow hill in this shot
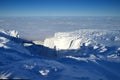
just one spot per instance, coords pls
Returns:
(101, 44)
(74, 40)
(68, 55)
(17, 54)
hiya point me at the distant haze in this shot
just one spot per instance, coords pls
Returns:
(39, 28)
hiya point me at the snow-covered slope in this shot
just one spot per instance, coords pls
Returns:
(102, 44)
(10, 40)
(78, 54)
(16, 56)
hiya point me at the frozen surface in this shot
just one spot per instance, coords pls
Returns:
(97, 57)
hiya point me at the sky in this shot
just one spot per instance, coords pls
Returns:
(59, 7)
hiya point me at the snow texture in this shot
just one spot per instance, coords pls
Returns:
(77, 55)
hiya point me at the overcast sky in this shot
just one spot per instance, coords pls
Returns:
(59, 7)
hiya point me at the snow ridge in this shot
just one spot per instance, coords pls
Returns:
(75, 39)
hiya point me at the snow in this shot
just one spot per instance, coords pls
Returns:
(27, 44)
(13, 33)
(38, 42)
(3, 40)
(77, 58)
(91, 58)
(95, 47)
(75, 39)
(85, 54)
(87, 43)
(112, 56)
(50, 42)
(103, 49)
(44, 72)
(9, 42)
(5, 75)
(118, 49)
(4, 46)
(117, 38)
(76, 55)
(28, 66)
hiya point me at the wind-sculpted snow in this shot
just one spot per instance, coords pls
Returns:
(79, 55)
(76, 39)
(104, 44)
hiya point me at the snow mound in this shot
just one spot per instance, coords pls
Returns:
(44, 72)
